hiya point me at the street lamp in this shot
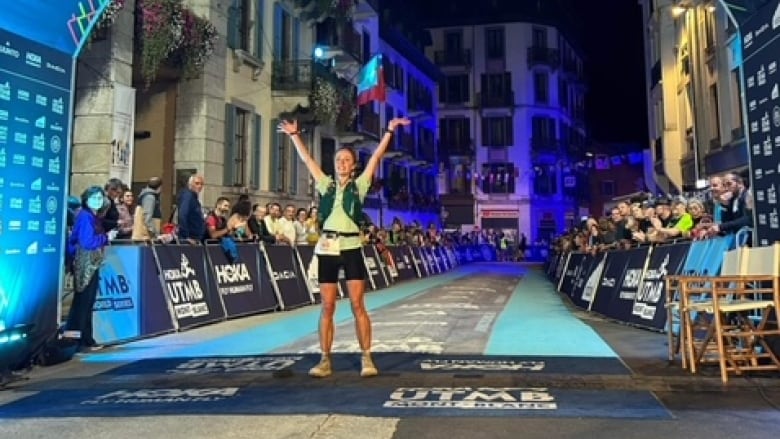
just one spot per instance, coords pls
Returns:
(678, 10)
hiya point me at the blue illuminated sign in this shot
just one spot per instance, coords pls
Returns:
(35, 103)
(38, 42)
(60, 24)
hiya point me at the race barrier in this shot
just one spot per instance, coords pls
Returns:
(629, 285)
(147, 289)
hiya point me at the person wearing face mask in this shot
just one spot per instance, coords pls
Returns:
(85, 246)
(340, 216)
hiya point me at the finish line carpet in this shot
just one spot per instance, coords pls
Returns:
(277, 384)
(517, 330)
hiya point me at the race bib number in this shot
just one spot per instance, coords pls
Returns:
(328, 245)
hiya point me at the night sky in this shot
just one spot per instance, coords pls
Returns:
(611, 38)
(616, 101)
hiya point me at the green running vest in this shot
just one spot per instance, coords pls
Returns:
(350, 201)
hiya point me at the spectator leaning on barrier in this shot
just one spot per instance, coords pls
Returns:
(113, 190)
(148, 213)
(257, 225)
(680, 222)
(192, 227)
(126, 207)
(238, 220)
(737, 203)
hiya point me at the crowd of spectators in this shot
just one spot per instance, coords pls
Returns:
(724, 207)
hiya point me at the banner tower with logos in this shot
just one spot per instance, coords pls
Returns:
(39, 43)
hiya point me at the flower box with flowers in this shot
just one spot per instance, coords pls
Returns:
(169, 34)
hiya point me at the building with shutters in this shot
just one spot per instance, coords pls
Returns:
(273, 59)
(695, 113)
(511, 115)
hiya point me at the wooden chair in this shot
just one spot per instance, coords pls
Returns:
(742, 306)
(697, 309)
(694, 284)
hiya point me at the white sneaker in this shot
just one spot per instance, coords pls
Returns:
(322, 369)
(367, 369)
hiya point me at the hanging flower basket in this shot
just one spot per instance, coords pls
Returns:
(106, 20)
(197, 45)
(347, 110)
(333, 105)
(167, 33)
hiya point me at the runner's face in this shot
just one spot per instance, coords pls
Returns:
(344, 162)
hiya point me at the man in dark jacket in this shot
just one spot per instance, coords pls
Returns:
(113, 190)
(192, 226)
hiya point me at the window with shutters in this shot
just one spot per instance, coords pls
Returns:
(256, 156)
(542, 131)
(541, 88)
(494, 43)
(455, 89)
(240, 25)
(286, 34)
(237, 122)
(497, 131)
(278, 159)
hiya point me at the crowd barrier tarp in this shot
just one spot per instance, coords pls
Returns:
(343, 287)
(713, 259)
(238, 283)
(386, 270)
(589, 263)
(403, 262)
(464, 253)
(453, 256)
(427, 261)
(156, 310)
(309, 262)
(376, 273)
(620, 282)
(420, 262)
(432, 260)
(184, 276)
(571, 271)
(441, 258)
(285, 270)
(591, 285)
(665, 260)
(116, 314)
(560, 266)
(489, 252)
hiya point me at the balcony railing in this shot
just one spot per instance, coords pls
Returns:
(292, 75)
(456, 146)
(452, 57)
(497, 101)
(540, 144)
(341, 36)
(543, 56)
